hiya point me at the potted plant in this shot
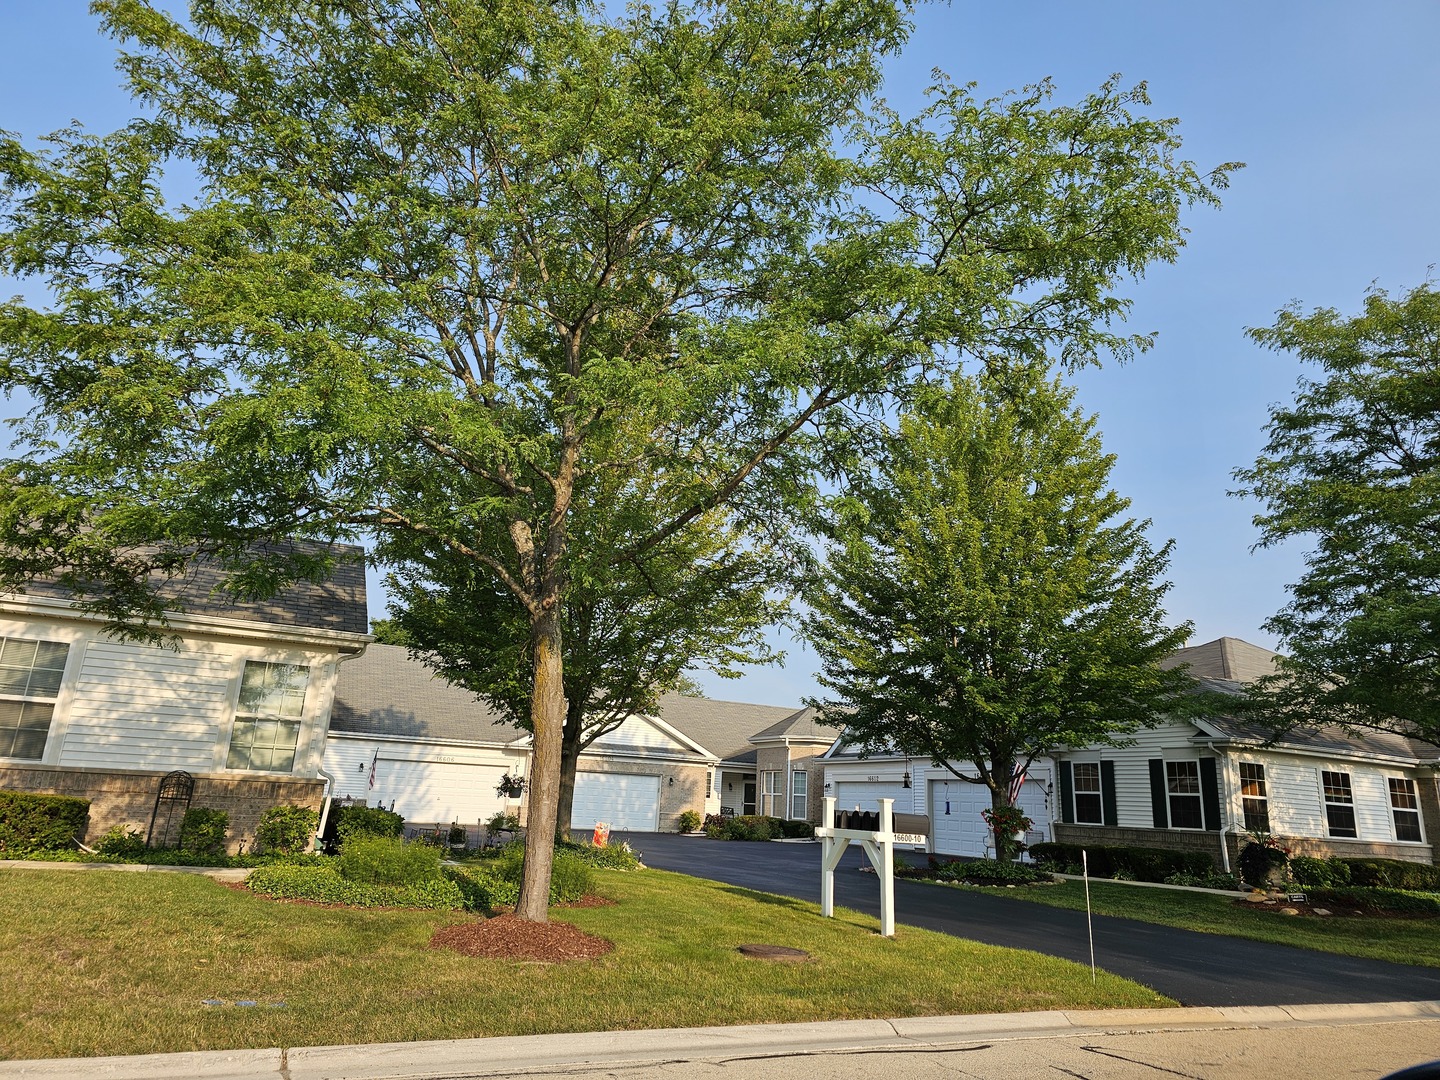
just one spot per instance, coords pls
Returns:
(1009, 824)
(459, 836)
(510, 786)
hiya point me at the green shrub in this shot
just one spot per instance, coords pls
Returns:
(286, 830)
(689, 821)
(794, 830)
(203, 829)
(1258, 860)
(384, 860)
(989, 872)
(1394, 874)
(321, 882)
(122, 843)
(746, 827)
(1379, 901)
(619, 856)
(571, 878)
(367, 821)
(1319, 873)
(33, 823)
(1126, 863)
(1211, 880)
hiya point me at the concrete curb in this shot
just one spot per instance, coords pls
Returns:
(507, 1056)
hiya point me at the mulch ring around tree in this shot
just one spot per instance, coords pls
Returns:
(507, 937)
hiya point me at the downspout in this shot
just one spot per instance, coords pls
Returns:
(326, 798)
(1225, 820)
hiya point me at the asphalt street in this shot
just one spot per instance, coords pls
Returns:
(1194, 969)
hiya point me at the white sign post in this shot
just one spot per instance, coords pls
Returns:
(879, 846)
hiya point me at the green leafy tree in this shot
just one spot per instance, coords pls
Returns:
(447, 261)
(1353, 466)
(985, 599)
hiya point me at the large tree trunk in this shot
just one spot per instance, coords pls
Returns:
(547, 714)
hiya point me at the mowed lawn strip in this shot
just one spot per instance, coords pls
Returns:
(112, 963)
(1398, 940)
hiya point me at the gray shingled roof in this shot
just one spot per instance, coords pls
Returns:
(1225, 658)
(337, 604)
(802, 724)
(385, 692)
(722, 727)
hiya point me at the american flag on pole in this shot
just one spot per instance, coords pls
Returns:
(371, 782)
(1017, 780)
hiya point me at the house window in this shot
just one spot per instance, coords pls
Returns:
(772, 794)
(799, 784)
(267, 719)
(1339, 803)
(29, 670)
(1182, 787)
(1253, 798)
(1406, 809)
(1088, 807)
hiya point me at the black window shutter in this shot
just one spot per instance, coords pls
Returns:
(1067, 794)
(1159, 807)
(1209, 794)
(1107, 793)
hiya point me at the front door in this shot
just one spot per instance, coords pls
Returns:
(749, 807)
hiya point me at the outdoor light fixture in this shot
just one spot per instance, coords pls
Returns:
(905, 780)
(672, 781)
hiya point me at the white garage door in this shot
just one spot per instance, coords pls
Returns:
(439, 792)
(866, 795)
(627, 801)
(956, 827)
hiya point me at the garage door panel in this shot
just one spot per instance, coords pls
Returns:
(439, 792)
(625, 801)
(956, 824)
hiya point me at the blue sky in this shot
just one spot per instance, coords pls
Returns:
(1331, 106)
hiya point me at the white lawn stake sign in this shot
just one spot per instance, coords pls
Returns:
(879, 845)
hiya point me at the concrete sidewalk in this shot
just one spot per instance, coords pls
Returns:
(1303, 1042)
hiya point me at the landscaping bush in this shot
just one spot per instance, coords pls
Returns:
(202, 831)
(31, 823)
(122, 843)
(366, 821)
(1394, 874)
(989, 872)
(1129, 863)
(755, 827)
(571, 878)
(1378, 901)
(1319, 873)
(285, 830)
(1258, 860)
(322, 883)
(689, 821)
(619, 856)
(384, 860)
(1212, 880)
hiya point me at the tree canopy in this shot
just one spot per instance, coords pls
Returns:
(448, 261)
(1353, 467)
(985, 600)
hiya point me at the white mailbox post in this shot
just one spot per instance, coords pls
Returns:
(879, 845)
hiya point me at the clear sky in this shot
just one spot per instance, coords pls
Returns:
(1332, 107)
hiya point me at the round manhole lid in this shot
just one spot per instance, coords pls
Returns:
(782, 953)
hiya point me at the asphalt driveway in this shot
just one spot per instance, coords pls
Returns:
(1194, 969)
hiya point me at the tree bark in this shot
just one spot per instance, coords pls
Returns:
(547, 714)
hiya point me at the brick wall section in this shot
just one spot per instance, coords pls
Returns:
(1209, 842)
(127, 798)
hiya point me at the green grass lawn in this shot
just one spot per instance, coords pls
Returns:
(110, 963)
(1403, 941)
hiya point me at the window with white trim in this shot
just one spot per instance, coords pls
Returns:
(1182, 789)
(30, 675)
(772, 793)
(1405, 808)
(799, 787)
(1254, 798)
(1339, 803)
(268, 716)
(1089, 810)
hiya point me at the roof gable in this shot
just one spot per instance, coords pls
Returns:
(1227, 658)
